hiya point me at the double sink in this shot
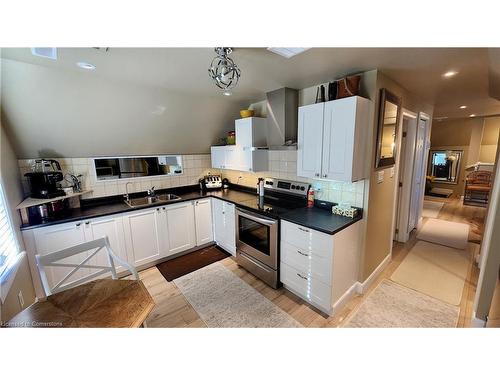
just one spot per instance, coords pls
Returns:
(150, 200)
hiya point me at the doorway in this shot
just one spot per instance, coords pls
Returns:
(405, 176)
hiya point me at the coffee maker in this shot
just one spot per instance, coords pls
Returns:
(44, 178)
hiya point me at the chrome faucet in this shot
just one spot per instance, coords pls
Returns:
(127, 196)
(151, 192)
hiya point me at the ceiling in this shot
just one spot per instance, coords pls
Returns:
(184, 70)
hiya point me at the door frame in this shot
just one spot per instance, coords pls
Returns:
(403, 196)
(426, 148)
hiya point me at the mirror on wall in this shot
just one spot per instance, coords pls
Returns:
(444, 165)
(137, 166)
(388, 123)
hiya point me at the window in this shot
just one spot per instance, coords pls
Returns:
(9, 249)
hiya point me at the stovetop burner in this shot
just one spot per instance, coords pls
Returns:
(280, 197)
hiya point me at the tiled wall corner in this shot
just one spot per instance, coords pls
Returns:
(194, 167)
(283, 164)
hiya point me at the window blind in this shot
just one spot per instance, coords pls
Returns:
(8, 243)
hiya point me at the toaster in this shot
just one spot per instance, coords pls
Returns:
(210, 182)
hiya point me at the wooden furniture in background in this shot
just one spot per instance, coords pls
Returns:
(103, 303)
(88, 250)
(477, 188)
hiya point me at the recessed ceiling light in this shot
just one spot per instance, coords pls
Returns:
(449, 74)
(463, 106)
(85, 65)
(227, 93)
(472, 115)
(287, 51)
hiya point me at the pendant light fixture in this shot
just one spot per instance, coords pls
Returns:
(223, 70)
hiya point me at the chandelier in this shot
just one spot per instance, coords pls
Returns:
(224, 71)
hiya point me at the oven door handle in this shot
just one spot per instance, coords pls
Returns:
(255, 217)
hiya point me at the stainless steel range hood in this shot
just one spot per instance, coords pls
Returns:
(282, 116)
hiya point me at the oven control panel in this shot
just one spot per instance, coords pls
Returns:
(285, 186)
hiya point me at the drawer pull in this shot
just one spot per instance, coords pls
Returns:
(303, 230)
(302, 277)
(78, 224)
(301, 253)
(87, 222)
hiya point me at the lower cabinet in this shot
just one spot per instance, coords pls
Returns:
(180, 227)
(224, 215)
(203, 221)
(140, 237)
(144, 236)
(320, 268)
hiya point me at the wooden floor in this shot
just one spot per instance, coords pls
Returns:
(173, 310)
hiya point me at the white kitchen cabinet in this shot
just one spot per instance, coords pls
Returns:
(238, 158)
(57, 237)
(112, 227)
(253, 160)
(145, 235)
(251, 132)
(180, 227)
(203, 221)
(320, 268)
(310, 140)
(332, 139)
(224, 215)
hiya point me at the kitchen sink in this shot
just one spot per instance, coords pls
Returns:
(147, 201)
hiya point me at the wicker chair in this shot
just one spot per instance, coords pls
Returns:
(477, 188)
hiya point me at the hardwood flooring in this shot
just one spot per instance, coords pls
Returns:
(173, 310)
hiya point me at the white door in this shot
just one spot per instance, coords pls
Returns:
(418, 175)
(217, 157)
(143, 238)
(338, 139)
(181, 227)
(310, 140)
(112, 227)
(203, 219)
(58, 237)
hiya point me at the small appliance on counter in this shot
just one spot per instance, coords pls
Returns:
(210, 182)
(225, 183)
(44, 179)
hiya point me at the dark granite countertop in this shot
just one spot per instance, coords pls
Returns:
(319, 219)
(314, 218)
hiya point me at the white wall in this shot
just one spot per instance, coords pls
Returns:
(61, 113)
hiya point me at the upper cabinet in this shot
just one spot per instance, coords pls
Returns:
(251, 132)
(332, 139)
(246, 154)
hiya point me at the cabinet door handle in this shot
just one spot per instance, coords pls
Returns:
(157, 209)
(87, 222)
(303, 230)
(301, 253)
(316, 174)
(302, 277)
(78, 224)
(163, 208)
(325, 176)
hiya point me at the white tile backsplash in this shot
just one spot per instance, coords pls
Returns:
(283, 164)
(194, 167)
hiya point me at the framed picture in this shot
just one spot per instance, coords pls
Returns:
(388, 124)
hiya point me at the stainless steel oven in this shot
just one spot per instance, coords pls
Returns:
(257, 245)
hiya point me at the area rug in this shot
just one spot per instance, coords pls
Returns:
(180, 266)
(431, 208)
(394, 306)
(223, 300)
(443, 232)
(436, 270)
(440, 192)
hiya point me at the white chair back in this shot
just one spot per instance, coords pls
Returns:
(92, 247)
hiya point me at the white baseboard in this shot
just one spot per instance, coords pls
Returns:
(363, 287)
(345, 298)
(476, 322)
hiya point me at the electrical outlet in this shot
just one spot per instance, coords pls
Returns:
(20, 298)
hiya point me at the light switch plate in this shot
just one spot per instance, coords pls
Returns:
(380, 177)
